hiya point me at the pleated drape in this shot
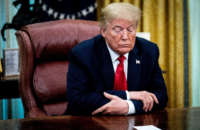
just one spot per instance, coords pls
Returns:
(164, 20)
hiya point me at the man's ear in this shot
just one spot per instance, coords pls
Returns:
(103, 32)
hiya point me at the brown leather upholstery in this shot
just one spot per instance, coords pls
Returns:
(43, 62)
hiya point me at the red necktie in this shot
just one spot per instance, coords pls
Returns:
(120, 78)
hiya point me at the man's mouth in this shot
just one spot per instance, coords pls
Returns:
(124, 45)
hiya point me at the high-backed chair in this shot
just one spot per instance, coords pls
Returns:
(44, 49)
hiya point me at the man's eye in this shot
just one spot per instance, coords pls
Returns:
(130, 29)
(117, 29)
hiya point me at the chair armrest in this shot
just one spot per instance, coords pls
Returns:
(26, 71)
(35, 113)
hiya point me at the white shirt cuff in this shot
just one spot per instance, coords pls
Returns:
(131, 109)
(127, 95)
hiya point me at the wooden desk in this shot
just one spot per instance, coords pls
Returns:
(171, 119)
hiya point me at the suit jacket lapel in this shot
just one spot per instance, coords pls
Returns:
(105, 65)
(134, 69)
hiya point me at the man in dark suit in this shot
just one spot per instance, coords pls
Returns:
(115, 73)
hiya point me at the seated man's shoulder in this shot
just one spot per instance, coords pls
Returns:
(145, 43)
(85, 51)
(147, 46)
(86, 46)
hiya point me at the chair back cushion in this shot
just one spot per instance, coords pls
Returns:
(51, 43)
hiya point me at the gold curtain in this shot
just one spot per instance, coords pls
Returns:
(164, 20)
(0, 67)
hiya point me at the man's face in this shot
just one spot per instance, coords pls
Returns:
(120, 35)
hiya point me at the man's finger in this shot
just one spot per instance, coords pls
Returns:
(150, 107)
(110, 96)
(99, 110)
(105, 112)
(155, 98)
(151, 102)
(144, 105)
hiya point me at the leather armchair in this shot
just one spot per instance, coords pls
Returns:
(44, 49)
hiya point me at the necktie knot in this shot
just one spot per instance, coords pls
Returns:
(121, 59)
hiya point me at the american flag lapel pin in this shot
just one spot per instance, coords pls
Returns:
(137, 61)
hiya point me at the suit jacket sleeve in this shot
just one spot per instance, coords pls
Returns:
(156, 85)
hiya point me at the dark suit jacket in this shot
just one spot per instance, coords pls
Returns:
(91, 73)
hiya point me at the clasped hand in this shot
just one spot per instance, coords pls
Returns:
(118, 106)
(147, 99)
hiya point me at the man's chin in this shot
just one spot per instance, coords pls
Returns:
(123, 51)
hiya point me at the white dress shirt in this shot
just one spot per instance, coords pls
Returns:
(115, 63)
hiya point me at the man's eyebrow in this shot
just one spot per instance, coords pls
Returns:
(117, 26)
(131, 25)
(122, 27)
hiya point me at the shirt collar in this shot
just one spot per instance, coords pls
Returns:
(115, 55)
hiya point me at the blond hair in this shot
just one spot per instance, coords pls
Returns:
(119, 10)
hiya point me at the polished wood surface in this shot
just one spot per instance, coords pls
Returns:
(170, 119)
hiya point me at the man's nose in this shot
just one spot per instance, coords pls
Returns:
(124, 34)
